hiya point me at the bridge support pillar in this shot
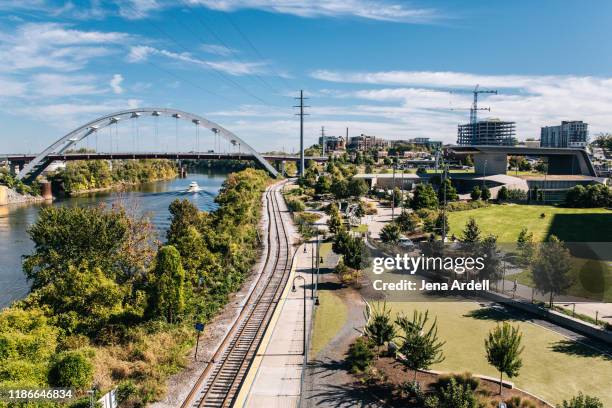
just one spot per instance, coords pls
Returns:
(13, 168)
(45, 190)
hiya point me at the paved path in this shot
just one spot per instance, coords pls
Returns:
(275, 377)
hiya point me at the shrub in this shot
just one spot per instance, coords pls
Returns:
(515, 194)
(456, 395)
(517, 402)
(71, 369)
(466, 205)
(412, 390)
(465, 379)
(582, 401)
(360, 355)
(295, 205)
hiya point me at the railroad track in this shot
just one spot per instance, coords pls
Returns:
(219, 384)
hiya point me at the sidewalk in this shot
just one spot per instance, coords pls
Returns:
(275, 378)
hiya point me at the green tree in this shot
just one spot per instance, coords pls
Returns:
(451, 191)
(503, 347)
(340, 242)
(493, 265)
(550, 268)
(71, 369)
(397, 197)
(339, 188)
(471, 232)
(323, 185)
(424, 196)
(168, 297)
(356, 254)
(379, 328)
(502, 194)
(469, 161)
(476, 193)
(390, 233)
(441, 223)
(582, 401)
(356, 187)
(408, 222)
(485, 193)
(421, 346)
(524, 243)
(334, 223)
(184, 214)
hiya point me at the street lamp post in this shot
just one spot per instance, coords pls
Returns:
(293, 289)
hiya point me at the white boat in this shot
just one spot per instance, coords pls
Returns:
(193, 187)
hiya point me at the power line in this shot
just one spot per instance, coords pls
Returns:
(195, 34)
(217, 71)
(252, 46)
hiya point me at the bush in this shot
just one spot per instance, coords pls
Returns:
(582, 401)
(517, 402)
(515, 194)
(71, 369)
(412, 390)
(455, 395)
(360, 355)
(466, 379)
(295, 205)
(466, 205)
(594, 195)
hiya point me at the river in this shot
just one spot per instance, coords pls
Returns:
(152, 199)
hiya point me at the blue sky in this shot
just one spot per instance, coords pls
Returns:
(391, 68)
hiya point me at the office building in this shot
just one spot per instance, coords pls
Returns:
(573, 133)
(490, 132)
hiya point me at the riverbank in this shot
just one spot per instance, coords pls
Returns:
(119, 186)
(9, 196)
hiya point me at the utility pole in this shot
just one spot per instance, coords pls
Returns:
(301, 115)
(323, 139)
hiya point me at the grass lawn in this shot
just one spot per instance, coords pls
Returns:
(592, 279)
(506, 221)
(554, 367)
(330, 317)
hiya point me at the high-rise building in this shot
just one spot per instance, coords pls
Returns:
(573, 133)
(491, 132)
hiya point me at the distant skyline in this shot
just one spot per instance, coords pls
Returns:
(389, 68)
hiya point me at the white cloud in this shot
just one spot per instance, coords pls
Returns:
(140, 53)
(59, 85)
(54, 46)
(383, 10)
(217, 49)
(424, 99)
(11, 88)
(115, 83)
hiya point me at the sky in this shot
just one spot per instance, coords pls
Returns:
(391, 68)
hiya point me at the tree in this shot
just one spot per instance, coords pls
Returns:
(485, 193)
(492, 266)
(334, 223)
(441, 224)
(503, 347)
(357, 187)
(524, 244)
(451, 191)
(421, 346)
(468, 160)
(550, 268)
(424, 196)
(407, 222)
(340, 242)
(184, 215)
(390, 233)
(582, 401)
(471, 232)
(355, 255)
(71, 369)
(339, 188)
(323, 185)
(379, 328)
(502, 194)
(397, 197)
(168, 297)
(476, 193)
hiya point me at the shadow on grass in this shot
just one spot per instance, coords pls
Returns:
(584, 348)
(495, 313)
(581, 227)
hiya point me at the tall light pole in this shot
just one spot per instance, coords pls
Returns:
(293, 289)
(301, 115)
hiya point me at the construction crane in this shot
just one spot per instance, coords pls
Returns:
(474, 108)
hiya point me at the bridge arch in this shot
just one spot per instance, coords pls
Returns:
(40, 162)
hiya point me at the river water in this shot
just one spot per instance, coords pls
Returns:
(152, 199)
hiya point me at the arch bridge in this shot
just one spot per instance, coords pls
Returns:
(31, 166)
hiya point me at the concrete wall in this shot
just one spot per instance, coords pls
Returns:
(490, 163)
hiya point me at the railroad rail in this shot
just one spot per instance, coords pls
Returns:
(220, 382)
